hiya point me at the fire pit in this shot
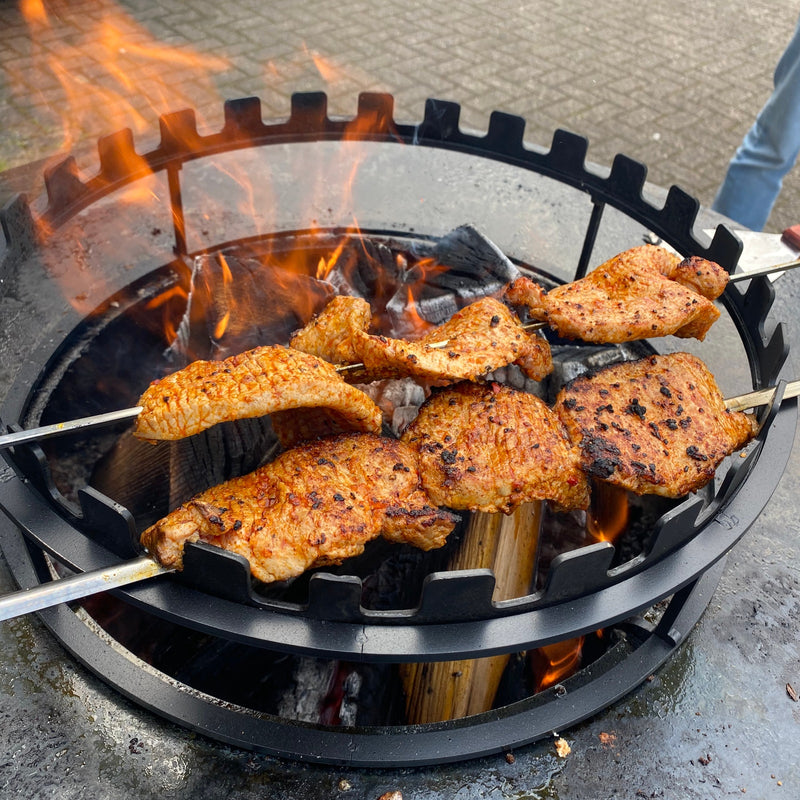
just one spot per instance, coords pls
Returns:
(120, 247)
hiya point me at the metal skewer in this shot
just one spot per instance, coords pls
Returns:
(755, 273)
(60, 428)
(75, 587)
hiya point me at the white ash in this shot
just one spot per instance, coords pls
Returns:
(512, 375)
(391, 395)
(402, 417)
(311, 680)
(341, 284)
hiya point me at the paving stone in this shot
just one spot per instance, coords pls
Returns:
(673, 85)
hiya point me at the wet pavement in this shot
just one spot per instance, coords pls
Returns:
(674, 86)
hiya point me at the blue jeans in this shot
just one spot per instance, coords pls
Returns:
(768, 151)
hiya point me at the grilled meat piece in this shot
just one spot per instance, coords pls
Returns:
(700, 275)
(314, 505)
(478, 339)
(629, 297)
(654, 426)
(483, 336)
(490, 448)
(330, 334)
(255, 383)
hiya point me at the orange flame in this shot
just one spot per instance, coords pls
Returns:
(325, 266)
(608, 513)
(606, 520)
(327, 71)
(416, 325)
(126, 52)
(112, 75)
(34, 12)
(554, 662)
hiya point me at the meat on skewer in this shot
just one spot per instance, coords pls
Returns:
(478, 339)
(641, 293)
(490, 447)
(261, 381)
(653, 426)
(315, 505)
(329, 335)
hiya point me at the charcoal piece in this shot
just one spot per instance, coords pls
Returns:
(474, 265)
(463, 266)
(369, 269)
(570, 361)
(431, 306)
(238, 302)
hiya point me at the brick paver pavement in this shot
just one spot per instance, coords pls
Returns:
(674, 85)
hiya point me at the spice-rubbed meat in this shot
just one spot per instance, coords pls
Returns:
(629, 297)
(654, 426)
(314, 505)
(490, 447)
(329, 335)
(479, 339)
(259, 382)
(482, 337)
(700, 275)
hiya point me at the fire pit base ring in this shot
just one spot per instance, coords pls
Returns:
(640, 650)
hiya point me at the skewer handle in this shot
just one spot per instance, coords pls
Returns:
(59, 428)
(85, 584)
(760, 397)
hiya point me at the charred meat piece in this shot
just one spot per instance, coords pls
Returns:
(313, 506)
(482, 337)
(629, 297)
(255, 383)
(490, 448)
(654, 426)
(329, 335)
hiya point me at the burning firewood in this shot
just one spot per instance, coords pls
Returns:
(506, 544)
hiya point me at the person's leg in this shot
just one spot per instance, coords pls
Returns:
(769, 149)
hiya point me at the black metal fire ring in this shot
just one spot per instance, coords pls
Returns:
(538, 717)
(565, 161)
(687, 571)
(387, 638)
